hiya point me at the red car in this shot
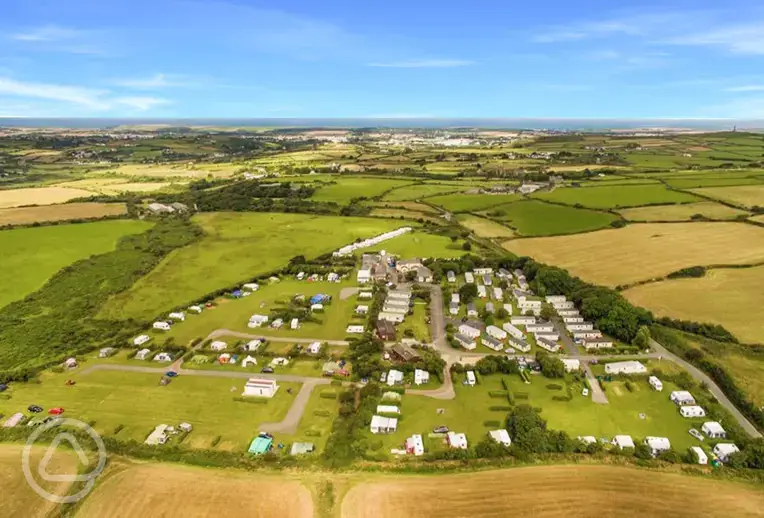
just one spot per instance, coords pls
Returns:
(56, 411)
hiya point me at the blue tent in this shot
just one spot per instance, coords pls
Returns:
(318, 299)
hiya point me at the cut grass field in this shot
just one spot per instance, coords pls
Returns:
(645, 251)
(536, 218)
(175, 490)
(483, 227)
(405, 214)
(137, 402)
(742, 195)
(406, 205)
(470, 202)
(113, 186)
(65, 212)
(39, 196)
(682, 212)
(415, 192)
(421, 244)
(553, 492)
(732, 298)
(177, 170)
(19, 499)
(616, 196)
(238, 247)
(347, 188)
(32, 255)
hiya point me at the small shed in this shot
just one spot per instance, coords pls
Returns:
(301, 448)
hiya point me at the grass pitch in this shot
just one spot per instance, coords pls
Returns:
(645, 251)
(32, 255)
(67, 211)
(616, 196)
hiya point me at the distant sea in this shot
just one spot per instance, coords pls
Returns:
(531, 124)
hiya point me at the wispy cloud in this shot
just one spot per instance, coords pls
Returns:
(154, 82)
(49, 33)
(424, 63)
(564, 87)
(141, 103)
(55, 38)
(745, 88)
(741, 108)
(738, 39)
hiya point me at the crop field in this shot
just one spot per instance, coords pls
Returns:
(470, 202)
(742, 195)
(19, 499)
(536, 218)
(137, 402)
(553, 492)
(175, 490)
(483, 227)
(347, 188)
(746, 370)
(684, 212)
(177, 170)
(39, 196)
(704, 181)
(238, 247)
(113, 186)
(32, 255)
(645, 251)
(234, 314)
(616, 196)
(730, 297)
(415, 192)
(67, 211)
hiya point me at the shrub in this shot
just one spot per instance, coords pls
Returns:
(491, 424)
(520, 396)
(554, 386)
(498, 393)
(117, 429)
(328, 395)
(216, 441)
(312, 433)
(322, 413)
(336, 383)
(57, 369)
(561, 398)
(252, 400)
(500, 408)
(629, 386)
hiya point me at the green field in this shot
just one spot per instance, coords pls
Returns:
(30, 256)
(470, 202)
(138, 403)
(420, 244)
(536, 218)
(238, 247)
(415, 192)
(347, 188)
(416, 323)
(616, 196)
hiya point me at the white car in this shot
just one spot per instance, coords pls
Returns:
(585, 392)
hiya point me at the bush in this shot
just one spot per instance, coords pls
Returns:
(500, 408)
(336, 383)
(312, 433)
(117, 429)
(57, 369)
(554, 386)
(561, 398)
(328, 395)
(322, 413)
(498, 393)
(216, 441)
(491, 424)
(251, 400)
(629, 386)
(522, 396)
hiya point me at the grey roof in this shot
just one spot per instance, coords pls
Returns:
(463, 338)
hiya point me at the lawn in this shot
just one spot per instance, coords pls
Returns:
(347, 188)
(234, 314)
(416, 323)
(236, 248)
(415, 192)
(536, 218)
(138, 403)
(483, 227)
(421, 244)
(684, 212)
(616, 196)
(40, 196)
(32, 255)
(67, 211)
(732, 298)
(742, 195)
(470, 202)
(645, 251)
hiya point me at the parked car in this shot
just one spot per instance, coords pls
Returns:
(171, 374)
(696, 434)
(35, 409)
(267, 370)
(56, 411)
(441, 429)
(383, 377)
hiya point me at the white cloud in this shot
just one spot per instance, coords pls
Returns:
(424, 63)
(742, 108)
(47, 33)
(55, 38)
(148, 83)
(86, 97)
(745, 88)
(737, 39)
(141, 103)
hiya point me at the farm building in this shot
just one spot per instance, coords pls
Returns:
(492, 343)
(13, 421)
(549, 345)
(451, 276)
(381, 424)
(469, 278)
(162, 326)
(468, 330)
(385, 330)
(388, 409)
(700, 455)
(512, 330)
(682, 398)
(178, 315)
(140, 340)
(354, 330)
(260, 387)
(471, 380)
(496, 332)
(142, 354)
(626, 367)
(596, 343)
(218, 345)
(522, 320)
(657, 445)
(421, 377)
(465, 341)
(501, 436)
(158, 436)
(519, 344)
(723, 450)
(655, 383)
(163, 357)
(713, 430)
(414, 445)
(692, 411)
(471, 310)
(301, 448)
(623, 441)
(394, 377)
(453, 308)
(261, 444)
(571, 365)
(456, 440)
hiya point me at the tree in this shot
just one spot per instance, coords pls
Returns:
(642, 451)
(467, 293)
(527, 429)
(547, 311)
(502, 314)
(467, 246)
(642, 340)
(551, 366)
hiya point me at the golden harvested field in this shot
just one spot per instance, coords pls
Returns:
(645, 251)
(758, 219)
(684, 212)
(730, 297)
(483, 227)
(39, 196)
(68, 211)
(744, 195)
(554, 491)
(186, 170)
(115, 185)
(18, 498)
(171, 490)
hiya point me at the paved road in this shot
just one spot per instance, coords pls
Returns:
(346, 293)
(236, 334)
(291, 421)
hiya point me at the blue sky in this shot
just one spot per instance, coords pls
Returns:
(556, 58)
